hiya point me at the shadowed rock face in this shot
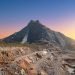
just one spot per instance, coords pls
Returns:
(36, 32)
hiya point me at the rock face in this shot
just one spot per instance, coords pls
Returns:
(36, 32)
(26, 61)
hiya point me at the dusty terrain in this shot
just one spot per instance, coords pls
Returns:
(38, 60)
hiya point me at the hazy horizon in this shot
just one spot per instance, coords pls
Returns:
(58, 15)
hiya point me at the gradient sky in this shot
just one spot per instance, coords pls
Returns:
(58, 15)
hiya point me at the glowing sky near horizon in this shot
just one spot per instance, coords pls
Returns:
(58, 15)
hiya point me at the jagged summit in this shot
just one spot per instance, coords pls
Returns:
(36, 32)
(32, 21)
(35, 23)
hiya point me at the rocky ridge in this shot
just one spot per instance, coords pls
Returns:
(35, 32)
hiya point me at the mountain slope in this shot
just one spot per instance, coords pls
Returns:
(36, 32)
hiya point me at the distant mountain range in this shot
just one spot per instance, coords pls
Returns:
(36, 32)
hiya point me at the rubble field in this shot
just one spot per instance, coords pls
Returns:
(41, 61)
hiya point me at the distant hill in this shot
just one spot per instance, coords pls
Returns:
(36, 32)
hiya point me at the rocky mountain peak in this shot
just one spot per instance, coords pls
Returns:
(36, 23)
(36, 32)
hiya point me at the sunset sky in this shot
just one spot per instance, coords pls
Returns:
(58, 15)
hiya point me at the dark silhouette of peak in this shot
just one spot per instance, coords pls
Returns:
(36, 32)
(34, 23)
